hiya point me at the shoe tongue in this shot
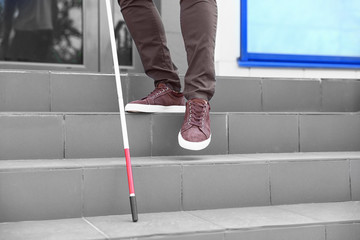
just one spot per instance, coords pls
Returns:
(161, 85)
(199, 100)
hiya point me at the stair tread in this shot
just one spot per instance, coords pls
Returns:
(217, 222)
(26, 164)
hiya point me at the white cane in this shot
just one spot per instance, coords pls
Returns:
(122, 114)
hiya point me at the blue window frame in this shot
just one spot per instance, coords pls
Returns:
(300, 33)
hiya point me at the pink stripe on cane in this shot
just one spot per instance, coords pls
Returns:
(129, 172)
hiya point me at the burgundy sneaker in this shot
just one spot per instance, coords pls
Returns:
(195, 133)
(162, 99)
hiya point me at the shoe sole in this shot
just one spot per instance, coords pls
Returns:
(195, 146)
(154, 108)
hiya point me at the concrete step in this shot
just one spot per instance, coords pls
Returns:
(98, 135)
(74, 188)
(322, 221)
(46, 91)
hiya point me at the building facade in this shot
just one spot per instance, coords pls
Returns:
(81, 42)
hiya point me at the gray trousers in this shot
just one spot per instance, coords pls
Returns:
(198, 26)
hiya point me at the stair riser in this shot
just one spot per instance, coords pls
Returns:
(320, 232)
(57, 92)
(89, 188)
(57, 136)
(308, 232)
(85, 92)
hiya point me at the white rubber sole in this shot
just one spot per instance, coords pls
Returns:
(154, 108)
(195, 146)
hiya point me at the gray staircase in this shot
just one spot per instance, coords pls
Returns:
(77, 115)
(284, 161)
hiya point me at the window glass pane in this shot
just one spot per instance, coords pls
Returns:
(123, 40)
(48, 31)
(305, 27)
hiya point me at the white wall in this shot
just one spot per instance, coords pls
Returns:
(228, 50)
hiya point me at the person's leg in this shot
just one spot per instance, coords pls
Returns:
(147, 30)
(198, 24)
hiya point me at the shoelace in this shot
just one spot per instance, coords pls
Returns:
(196, 114)
(158, 90)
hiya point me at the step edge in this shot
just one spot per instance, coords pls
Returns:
(30, 113)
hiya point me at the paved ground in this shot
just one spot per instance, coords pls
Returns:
(325, 221)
